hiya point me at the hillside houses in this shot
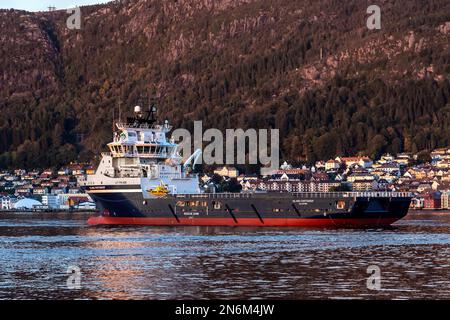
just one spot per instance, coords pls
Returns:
(364, 162)
(430, 182)
(397, 172)
(440, 154)
(294, 185)
(55, 189)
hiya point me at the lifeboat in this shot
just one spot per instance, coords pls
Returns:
(159, 191)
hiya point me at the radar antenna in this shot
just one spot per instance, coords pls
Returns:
(143, 118)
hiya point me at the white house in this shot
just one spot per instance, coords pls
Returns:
(7, 203)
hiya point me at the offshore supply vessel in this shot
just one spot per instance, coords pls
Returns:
(142, 181)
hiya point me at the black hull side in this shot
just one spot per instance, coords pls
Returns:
(261, 209)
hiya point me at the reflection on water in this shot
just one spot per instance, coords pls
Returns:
(221, 263)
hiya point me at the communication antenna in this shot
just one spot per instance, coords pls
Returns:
(113, 119)
(152, 109)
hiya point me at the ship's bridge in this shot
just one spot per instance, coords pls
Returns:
(140, 142)
(139, 136)
(144, 150)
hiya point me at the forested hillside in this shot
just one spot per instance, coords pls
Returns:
(308, 67)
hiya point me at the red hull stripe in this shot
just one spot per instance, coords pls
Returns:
(268, 222)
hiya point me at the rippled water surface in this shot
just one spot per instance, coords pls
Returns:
(221, 263)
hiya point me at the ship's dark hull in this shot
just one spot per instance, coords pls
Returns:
(128, 207)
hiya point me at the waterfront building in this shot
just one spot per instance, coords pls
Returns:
(417, 202)
(7, 202)
(50, 201)
(432, 200)
(26, 204)
(445, 199)
(72, 199)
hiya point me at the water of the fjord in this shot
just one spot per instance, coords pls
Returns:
(36, 251)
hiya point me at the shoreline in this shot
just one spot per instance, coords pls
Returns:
(47, 211)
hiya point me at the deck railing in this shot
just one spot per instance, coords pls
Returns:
(353, 194)
(369, 194)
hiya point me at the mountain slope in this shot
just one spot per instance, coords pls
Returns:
(310, 68)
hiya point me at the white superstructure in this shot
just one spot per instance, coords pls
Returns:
(140, 155)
